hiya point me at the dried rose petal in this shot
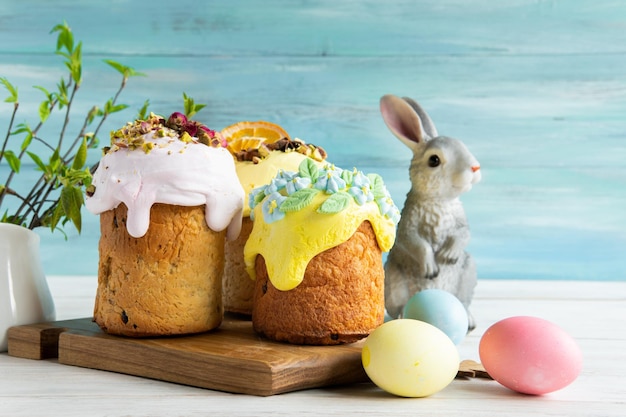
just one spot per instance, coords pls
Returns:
(177, 119)
(191, 127)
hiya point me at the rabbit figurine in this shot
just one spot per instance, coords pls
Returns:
(429, 251)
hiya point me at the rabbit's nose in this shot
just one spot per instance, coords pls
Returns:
(475, 168)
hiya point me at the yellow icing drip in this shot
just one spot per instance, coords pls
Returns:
(290, 243)
(253, 175)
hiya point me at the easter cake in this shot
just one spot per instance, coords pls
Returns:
(315, 252)
(168, 197)
(261, 149)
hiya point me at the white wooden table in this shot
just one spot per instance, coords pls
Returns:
(594, 313)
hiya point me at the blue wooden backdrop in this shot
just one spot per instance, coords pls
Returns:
(536, 89)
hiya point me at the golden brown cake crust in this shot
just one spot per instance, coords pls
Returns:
(340, 300)
(238, 286)
(167, 282)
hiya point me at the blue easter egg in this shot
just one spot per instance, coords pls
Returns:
(441, 309)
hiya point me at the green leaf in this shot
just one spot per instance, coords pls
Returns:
(61, 96)
(109, 107)
(94, 141)
(37, 160)
(43, 90)
(335, 203)
(13, 161)
(377, 185)
(72, 201)
(142, 114)
(118, 67)
(191, 108)
(27, 140)
(93, 112)
(308, 169)
(55, 162)
(11, 89)
(123, 69)
(56, 217)
(81, 155)
(65, 39)
(21, 128)
(87, 178)
(118, 107)
(44, 110)
(74, 177)
(74, 64)
(299, 200)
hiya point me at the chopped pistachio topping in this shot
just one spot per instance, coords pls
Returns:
(177, 126)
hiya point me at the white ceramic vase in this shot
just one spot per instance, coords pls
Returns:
(24, 294)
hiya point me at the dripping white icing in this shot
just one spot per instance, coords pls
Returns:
(173, 172)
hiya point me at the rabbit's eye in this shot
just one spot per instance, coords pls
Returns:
(434, 161)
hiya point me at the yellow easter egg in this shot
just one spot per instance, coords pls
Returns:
(410, 358)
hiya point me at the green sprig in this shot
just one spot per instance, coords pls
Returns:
(56, 197)
(190, 106)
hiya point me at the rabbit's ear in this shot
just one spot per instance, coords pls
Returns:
(402, 120)
(427, 123)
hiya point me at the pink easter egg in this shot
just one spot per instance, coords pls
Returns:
(530, 355)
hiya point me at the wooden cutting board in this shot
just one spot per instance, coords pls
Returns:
(232, 358)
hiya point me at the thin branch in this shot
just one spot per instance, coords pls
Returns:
(10, 191)
(6, 138)
(4, 147)
(66, 122)
(42, 141)
(102, 120)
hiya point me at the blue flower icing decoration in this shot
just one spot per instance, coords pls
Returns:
(297, 183)
(330, 180)
(271, 207)
(360, 189)
(291, 191)
(280, 181)
(388, 208)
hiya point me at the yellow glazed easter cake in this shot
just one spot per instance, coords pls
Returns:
(315, 253)
(261, 149)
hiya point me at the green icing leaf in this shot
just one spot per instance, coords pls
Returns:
(335, 203)
(308, 169)
(377, 185)
(347, 176)
(258, 197)
(299, 200)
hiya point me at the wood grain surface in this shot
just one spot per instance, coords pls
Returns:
(232, 358)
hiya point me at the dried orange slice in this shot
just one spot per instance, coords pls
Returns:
(244, 144)
(269, 132)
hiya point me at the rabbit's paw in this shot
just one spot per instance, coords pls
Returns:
(449, 253)
(447, 258)
(431, 268)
